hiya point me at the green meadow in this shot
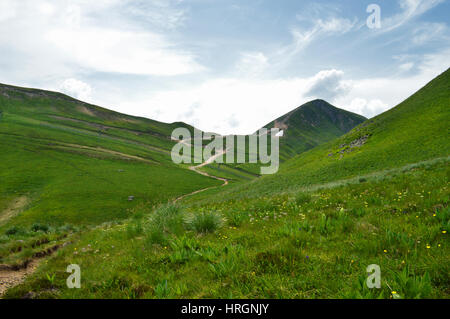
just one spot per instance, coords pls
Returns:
(313, 243)
(364, 192)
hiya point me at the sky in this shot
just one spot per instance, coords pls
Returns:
(225, 66)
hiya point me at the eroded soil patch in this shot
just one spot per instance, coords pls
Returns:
(13, 209)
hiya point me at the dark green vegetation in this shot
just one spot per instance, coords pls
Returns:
(309, 244)
(305, 127)
(415, 130)
(377, 195)
(311, 124)
(65, 161)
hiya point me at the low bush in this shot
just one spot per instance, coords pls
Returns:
(12, 231)
(206, 222)
(39, 227)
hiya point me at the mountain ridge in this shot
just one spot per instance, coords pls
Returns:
(410, 132)
(311, 124)
(96, 110)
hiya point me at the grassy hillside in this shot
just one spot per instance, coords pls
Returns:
(314, 243)
(311, 124)
(67, 162)
(377, 195)
(413, 131)
(305, 127)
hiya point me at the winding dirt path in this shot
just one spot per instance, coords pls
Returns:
(195, 169)
(10, 278)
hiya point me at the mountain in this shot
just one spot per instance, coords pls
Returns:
(66, 161)
(375, 195)
(311, 124)
(305, 127)
(57, 106)
(415, 130)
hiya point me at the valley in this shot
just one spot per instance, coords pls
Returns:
(350, 192)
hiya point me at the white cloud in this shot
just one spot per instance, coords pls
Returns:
(427, 32)
(68, 45)
(252, 64)
(46, 8)
(405, 67)
(328, 84)
(410, 10)
(223, 105)
(371, 96)
(77, 89)
(106, 50)
(254, 102)
(7, 10)
(367, 108)
(320, 28)
(160, 13)
(233, 122)
(236, 104)
(85, 36)
(304, 37)
(336, 25)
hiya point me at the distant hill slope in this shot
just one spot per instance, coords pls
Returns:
(311, 124)
(415, 130)
(21, 100)
(305, 127)
(73, 162)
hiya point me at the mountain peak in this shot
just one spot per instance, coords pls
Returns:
(313, 123)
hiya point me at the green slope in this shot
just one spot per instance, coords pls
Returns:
(72, 162)
(305, 127)
(311, 124)
(413, 131)
(377, 195)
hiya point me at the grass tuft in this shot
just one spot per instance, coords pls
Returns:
(206, 222)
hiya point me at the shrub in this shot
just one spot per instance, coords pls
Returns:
(206, 222)
(168, 218)
(39, 227)
(12, 231)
